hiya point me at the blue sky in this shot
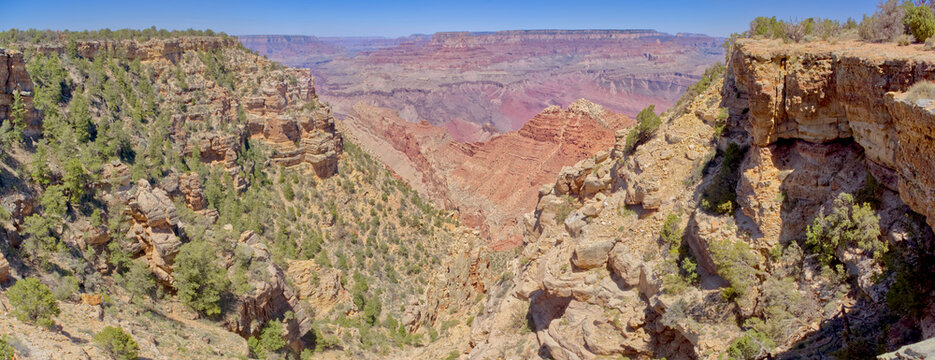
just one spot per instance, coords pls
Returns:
(405, 17)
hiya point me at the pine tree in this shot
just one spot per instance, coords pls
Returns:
(18, 116)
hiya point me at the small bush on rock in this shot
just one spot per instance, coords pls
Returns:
(737, 263)
(751, 345)
(921, 90)
(270, 340)
(646, 124)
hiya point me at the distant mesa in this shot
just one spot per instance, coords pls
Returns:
(497, 80)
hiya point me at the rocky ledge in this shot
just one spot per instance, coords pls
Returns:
(821, 93)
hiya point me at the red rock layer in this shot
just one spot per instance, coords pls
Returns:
(491, 184)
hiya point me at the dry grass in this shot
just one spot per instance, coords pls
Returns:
(921, 90)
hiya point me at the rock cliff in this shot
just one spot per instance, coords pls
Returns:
(13, 77)
(623, 257)
(840, 91)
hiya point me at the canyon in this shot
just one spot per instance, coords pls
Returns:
(489, 184)
(439, 109)
(812, 123)
(781, 208)
(499, 80)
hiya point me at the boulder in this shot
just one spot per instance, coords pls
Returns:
(589, 255)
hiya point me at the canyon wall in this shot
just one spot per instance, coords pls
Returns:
(497, 81)
(639, 266)
(841, 92)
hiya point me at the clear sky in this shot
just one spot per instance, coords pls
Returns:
(405, 17)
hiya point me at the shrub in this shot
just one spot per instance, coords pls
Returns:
(884, 25)
(905, 296)
(199, 279)
(139, 281)
(751, 345)
(904, 40)
(270, 340)
(921, 90)
(117, 343)
(372, 310)
(768, 27)
(847, 225)
(6, 350)
(568, 205)
(671, 234)
(33, 302)
(782, 305)
(720, 196)
(736, 262)
(646, 124)
(919, 21)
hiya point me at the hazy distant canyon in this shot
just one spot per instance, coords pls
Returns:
(478, 84)
(463, 117)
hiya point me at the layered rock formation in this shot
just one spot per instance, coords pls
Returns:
(489, 183)
(841, 91)
(272, 297)
(588, 282)
(154, 231)
(306, 51)
(13, 77)
(499, 80)
(599, 275)
(171, 49)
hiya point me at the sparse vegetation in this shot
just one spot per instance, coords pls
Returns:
(921, 90)
(646, 124)
(804, 30)
(848, 225)
(117, 343)
(720, 195)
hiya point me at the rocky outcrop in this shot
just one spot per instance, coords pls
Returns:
(271, 298)
(169, 49)
(314, 139)
(588, 283)
(320, 287)
(919, 351)
(154, 229)
(464, 274)
(190, 187)
(13, 77)
(827, 92)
